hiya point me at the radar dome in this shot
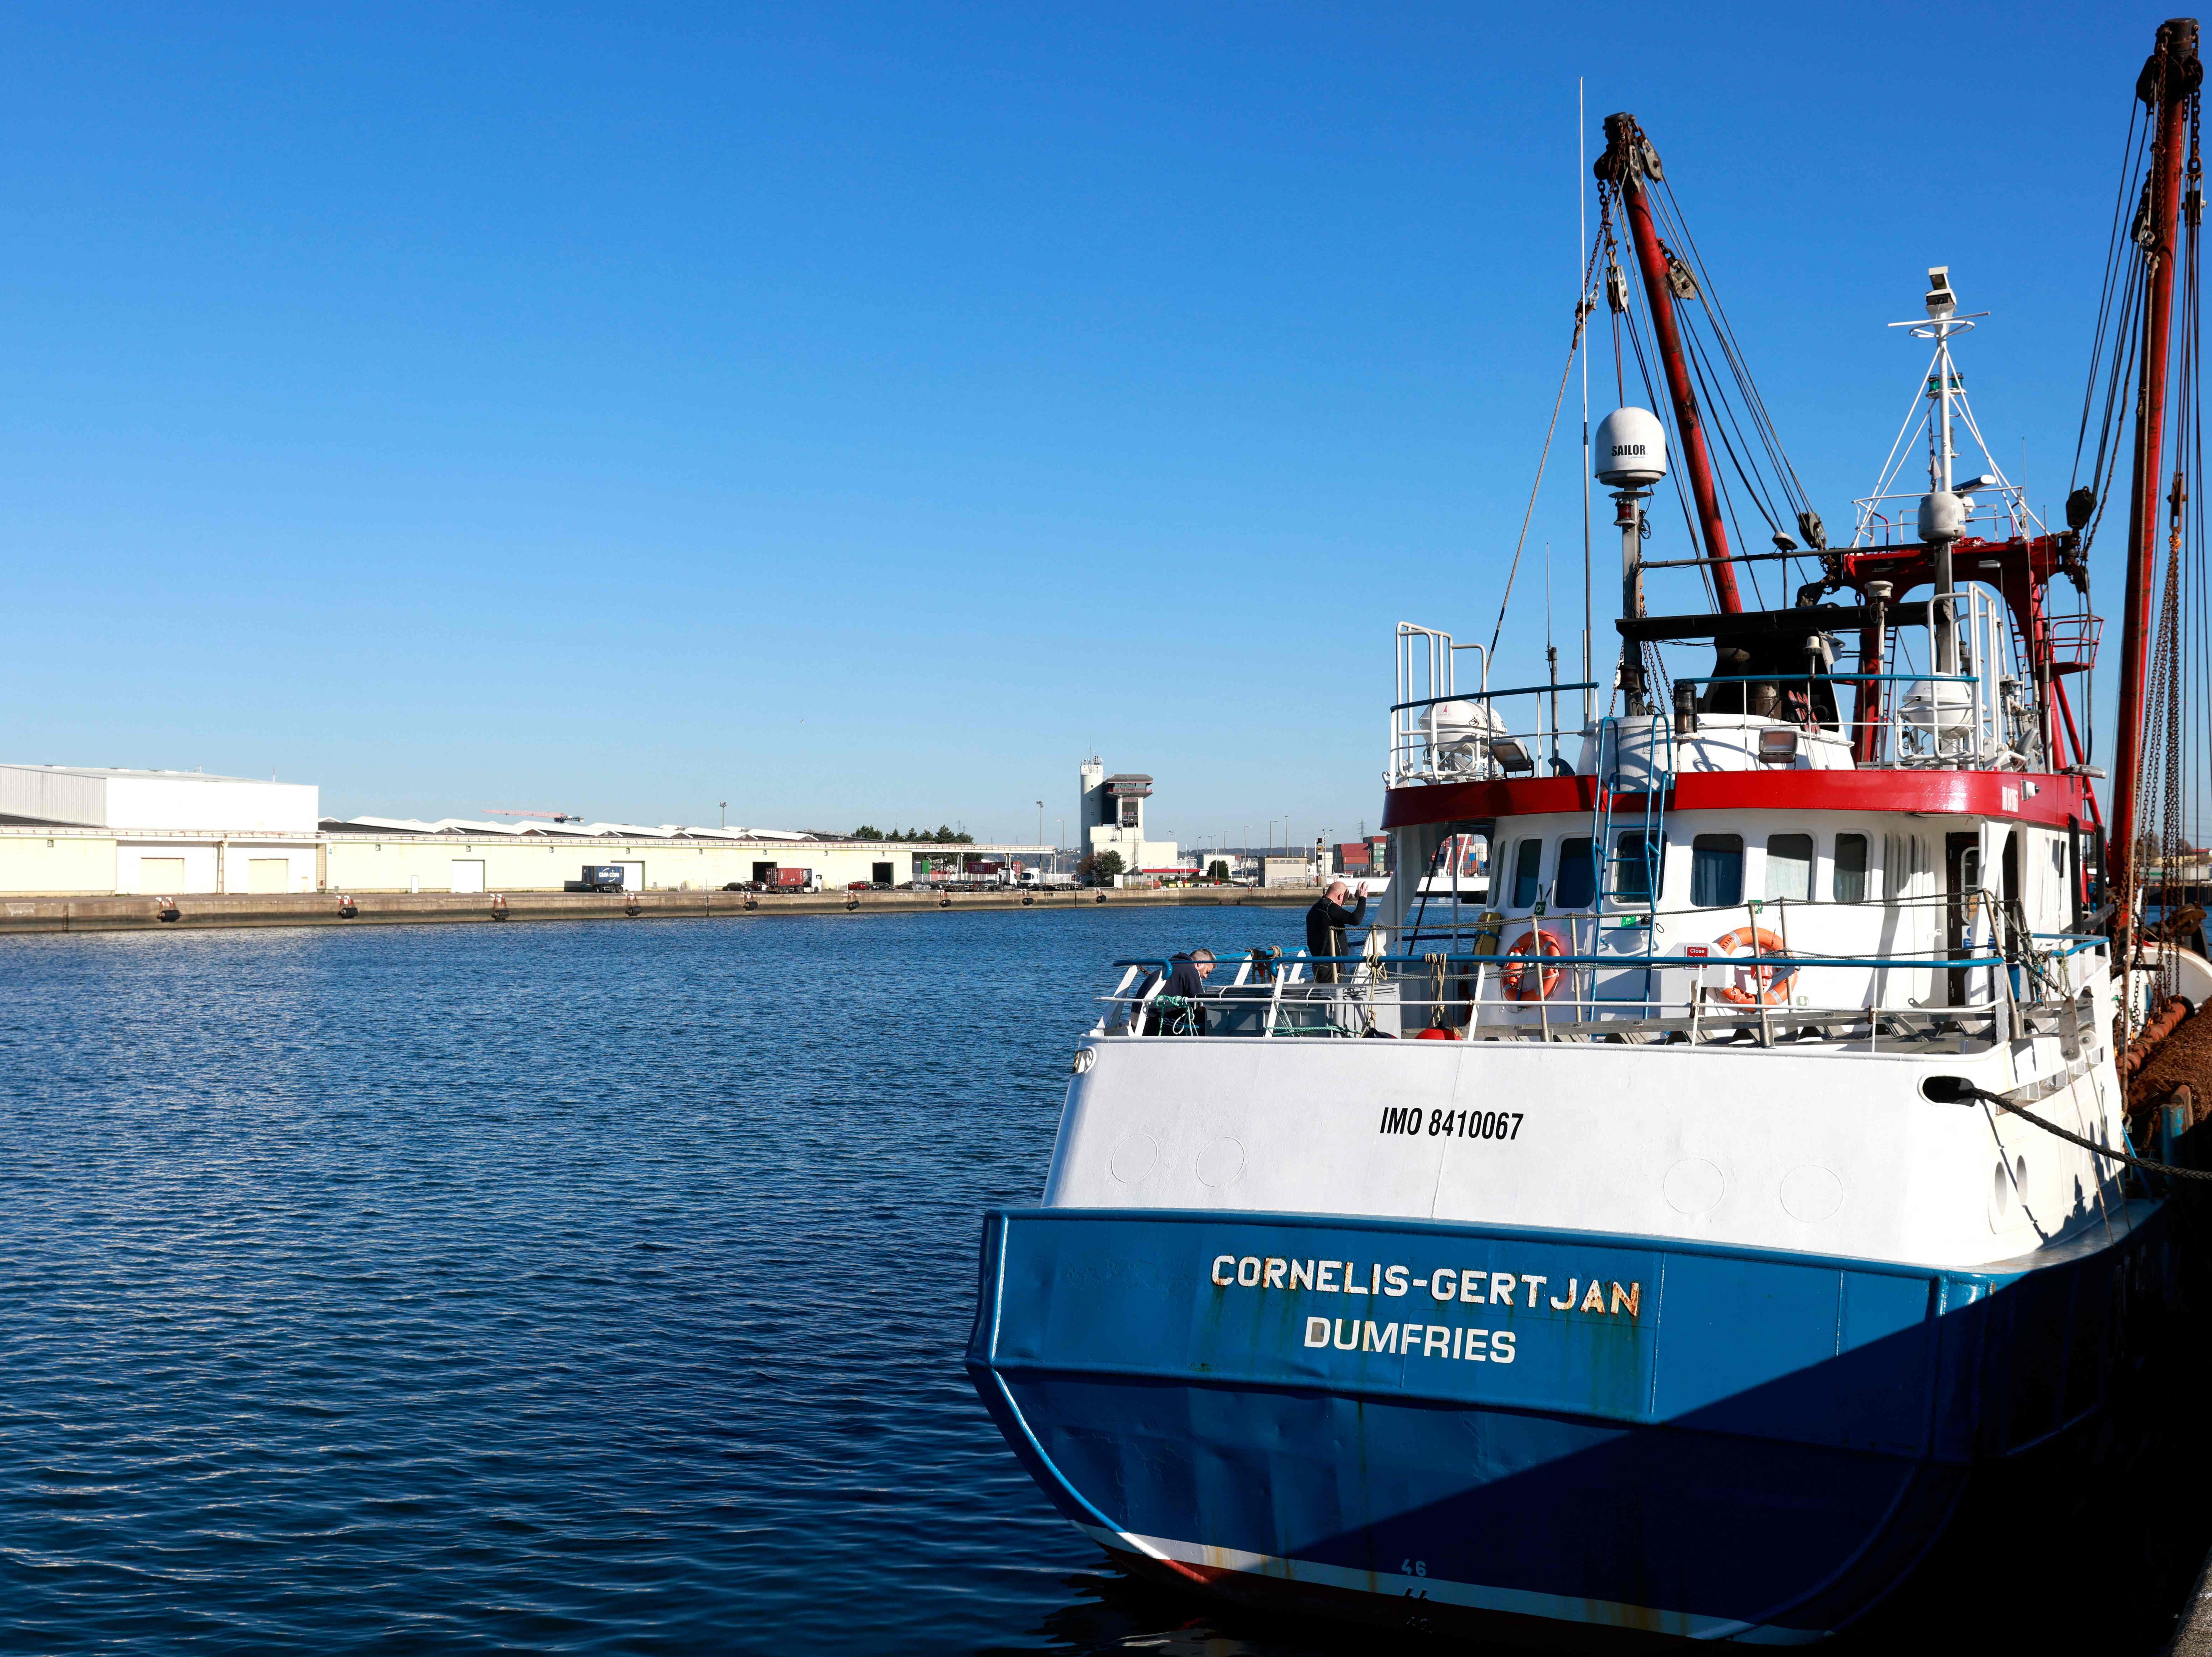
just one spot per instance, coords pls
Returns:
(1631, 449)
(1943, 516)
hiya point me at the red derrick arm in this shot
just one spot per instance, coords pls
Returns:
(2169, 80)
(1625, 162)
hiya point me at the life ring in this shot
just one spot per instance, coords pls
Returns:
(1774, 980)
(1520, 982)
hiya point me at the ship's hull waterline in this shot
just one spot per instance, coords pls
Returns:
(1638, 1441)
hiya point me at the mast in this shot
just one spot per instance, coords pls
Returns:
(1629, 158)
(2169, 81)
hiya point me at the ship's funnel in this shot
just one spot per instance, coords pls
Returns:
(1631, 449)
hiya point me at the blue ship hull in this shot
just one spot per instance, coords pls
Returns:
(1635, 1439)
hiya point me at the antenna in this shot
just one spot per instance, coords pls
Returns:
(1582, 217)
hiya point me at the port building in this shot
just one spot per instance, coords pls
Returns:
(95, 831)
(92, 829)
(1111, 810)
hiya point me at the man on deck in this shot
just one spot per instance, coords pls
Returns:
(1186, 985)
(1325, 924)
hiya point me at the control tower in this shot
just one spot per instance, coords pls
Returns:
(1111, 812)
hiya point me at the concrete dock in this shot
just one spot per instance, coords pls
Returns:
(117, 914)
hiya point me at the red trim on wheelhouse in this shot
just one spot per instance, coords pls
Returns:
(1945, 793)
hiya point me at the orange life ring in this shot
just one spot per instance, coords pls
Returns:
(1521, 983)
(1772, 983)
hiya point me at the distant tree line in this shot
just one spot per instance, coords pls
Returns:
(942, 835)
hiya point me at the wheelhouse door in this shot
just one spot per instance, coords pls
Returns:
(1962, 874)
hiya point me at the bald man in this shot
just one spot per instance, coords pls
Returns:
(1325, 924)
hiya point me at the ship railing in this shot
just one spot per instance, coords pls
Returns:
(1983, 716)
(1948, 956)
(1468, 736)
(1923, 727)
(1272, 995)
(2000, 513)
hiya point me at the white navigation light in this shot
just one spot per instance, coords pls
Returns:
(1943, 516)
(1631, 449)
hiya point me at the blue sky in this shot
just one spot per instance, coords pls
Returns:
(863, 413)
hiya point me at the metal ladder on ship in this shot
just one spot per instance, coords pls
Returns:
(1651, 825)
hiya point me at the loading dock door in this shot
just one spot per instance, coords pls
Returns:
(468, 874)
(267, 874)
(160, 876)
(881, 873)
(633, 877)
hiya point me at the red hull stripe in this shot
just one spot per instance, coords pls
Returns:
(1950, 794)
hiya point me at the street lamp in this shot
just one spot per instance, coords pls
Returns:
(726, 814)
(1040, 822)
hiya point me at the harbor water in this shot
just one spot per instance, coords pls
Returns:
(563, 1287)
(588, 1288)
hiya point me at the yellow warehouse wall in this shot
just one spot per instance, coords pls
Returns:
(537, 866)
(88, 864)
(73, 865)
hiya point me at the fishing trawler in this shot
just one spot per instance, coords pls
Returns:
(1689, 1231)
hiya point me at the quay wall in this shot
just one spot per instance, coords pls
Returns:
(31, 913)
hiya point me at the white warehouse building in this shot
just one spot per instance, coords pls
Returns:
(161, 833)
(92, 831)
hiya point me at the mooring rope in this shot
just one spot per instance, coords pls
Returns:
(1967, 1091)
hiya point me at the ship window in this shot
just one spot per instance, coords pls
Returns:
(1789, 865)
(1576, 885)
(1637, 868)
(1527, 864)
(1851, 868)
(1717, 870)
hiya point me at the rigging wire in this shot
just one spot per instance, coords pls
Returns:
(1728, 404)
(1664, 407)
(1584, 307)
(1685, 245)
(2133, 160)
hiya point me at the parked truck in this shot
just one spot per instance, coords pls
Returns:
(597, 877)
(795, 880)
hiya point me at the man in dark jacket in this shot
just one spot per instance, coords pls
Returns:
(1325, 924)
(1187, 982)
